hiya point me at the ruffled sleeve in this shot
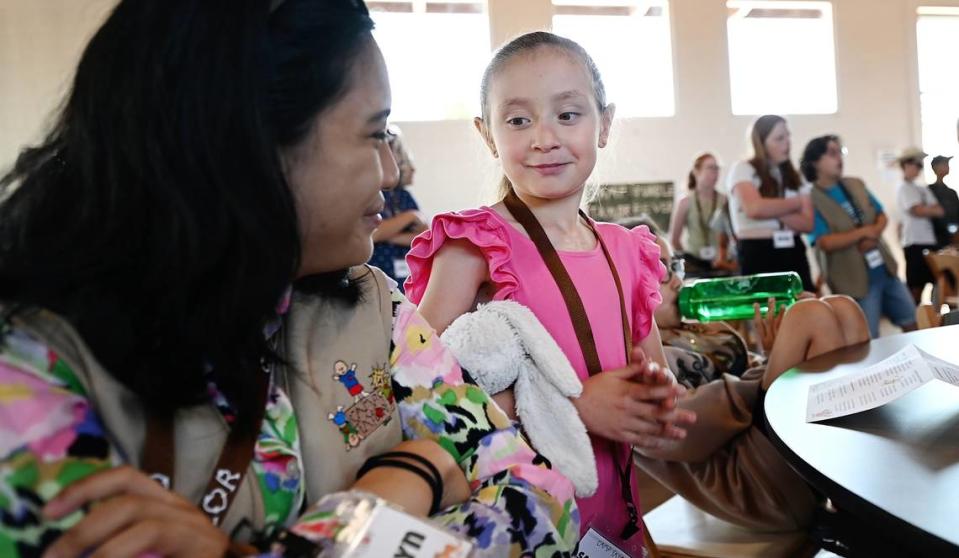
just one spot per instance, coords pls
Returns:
(649, 274)
(477, 226)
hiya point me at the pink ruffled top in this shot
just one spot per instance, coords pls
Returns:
(517, 272)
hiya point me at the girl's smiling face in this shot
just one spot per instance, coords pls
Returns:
(545, 123)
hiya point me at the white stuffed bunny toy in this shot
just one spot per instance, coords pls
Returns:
(503, 345)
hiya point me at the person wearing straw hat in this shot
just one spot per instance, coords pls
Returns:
(918, 206)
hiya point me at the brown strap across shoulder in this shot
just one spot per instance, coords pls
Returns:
(584, 332)
(577, 312)
(159, 456)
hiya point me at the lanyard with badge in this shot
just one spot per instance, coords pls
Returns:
(783, 239)
(873, 257)
(584, 334)
(708, 252)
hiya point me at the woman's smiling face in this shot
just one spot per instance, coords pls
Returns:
(338, 171)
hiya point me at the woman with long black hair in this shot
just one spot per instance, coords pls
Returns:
(160, 392)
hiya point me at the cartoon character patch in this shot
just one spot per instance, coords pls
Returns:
(351, 437)
(382, 382)
(369, 411)
(347, 376)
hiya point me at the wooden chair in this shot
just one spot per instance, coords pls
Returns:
(944, 266)
(927, 316)
(682, 530)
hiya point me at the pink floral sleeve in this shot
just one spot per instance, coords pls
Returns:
(519, 506)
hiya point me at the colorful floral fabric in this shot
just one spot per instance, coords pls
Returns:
(276, 462)
(519, 506)
(518, 503)
(50, 436)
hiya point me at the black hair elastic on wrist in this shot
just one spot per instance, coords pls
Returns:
(419, 459)
(431, 476)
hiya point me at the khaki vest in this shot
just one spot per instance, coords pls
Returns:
(845, 270)
(315, 336)
(701, 234)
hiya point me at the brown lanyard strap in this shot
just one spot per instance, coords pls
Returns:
(704, 222)
(584, 333)
(577, 312)
(159, 456)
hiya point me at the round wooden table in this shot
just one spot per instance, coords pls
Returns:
(897, 466)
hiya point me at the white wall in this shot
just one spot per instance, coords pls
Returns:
(878, 106)
(877, 86)
(40, 44)
(877, 89)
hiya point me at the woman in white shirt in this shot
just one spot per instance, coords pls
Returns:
(768, 207)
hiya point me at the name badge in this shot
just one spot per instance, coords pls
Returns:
(784, 239)
(390, 532)
(874, 258)
(707, 253)
(594, 545)
(401, 270)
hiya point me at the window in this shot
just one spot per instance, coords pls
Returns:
(782, 57)
(937, 35)
(630, 42)
(435, 53)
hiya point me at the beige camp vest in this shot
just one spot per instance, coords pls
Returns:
(320, 339)
(845, 270)
(315, 336)
(698, 223)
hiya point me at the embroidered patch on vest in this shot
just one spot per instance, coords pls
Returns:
(382, 382)
(347, 376)
(351, 437)
(369, 411)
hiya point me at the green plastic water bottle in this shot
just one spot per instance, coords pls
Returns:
(732, 298)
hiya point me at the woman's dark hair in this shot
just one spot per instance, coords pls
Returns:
(768, 187)
(814, 151)
(155, 215)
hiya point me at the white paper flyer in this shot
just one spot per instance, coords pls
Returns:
(878, 384)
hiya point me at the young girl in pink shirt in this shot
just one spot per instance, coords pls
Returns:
(593, 286)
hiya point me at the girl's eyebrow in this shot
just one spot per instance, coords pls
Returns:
(520, 102)
(568, 95)
(517, 102)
